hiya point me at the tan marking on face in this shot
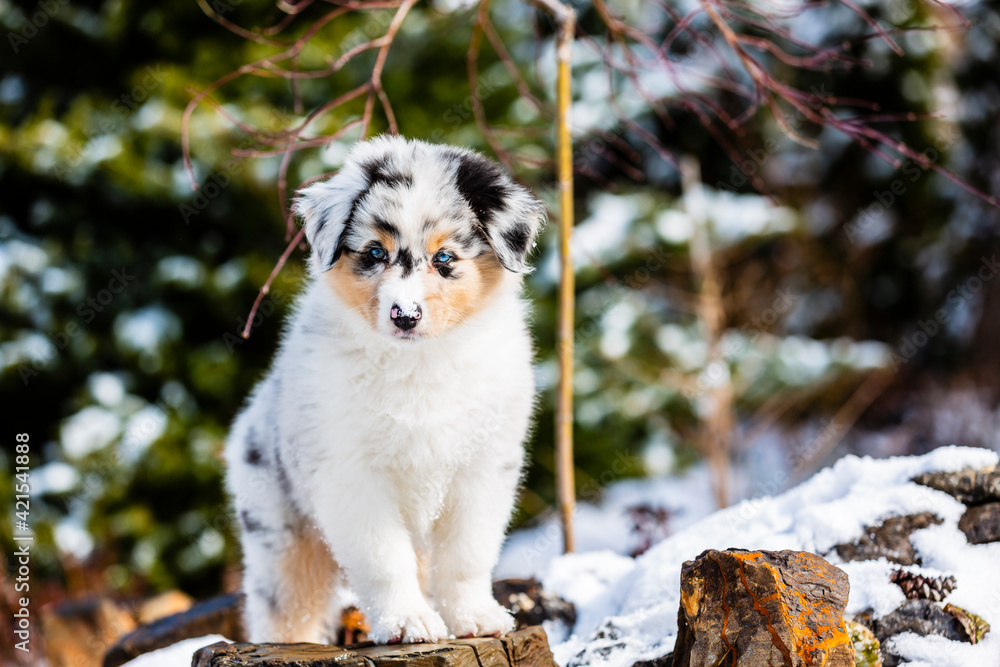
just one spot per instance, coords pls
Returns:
(437, 241)
(360, 293)
(387, 240)
(454, 301)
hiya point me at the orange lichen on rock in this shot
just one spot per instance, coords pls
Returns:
(741, 608)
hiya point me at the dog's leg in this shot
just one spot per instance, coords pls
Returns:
(364, 525)
(288, 571)
(467, 541)
(288, 582)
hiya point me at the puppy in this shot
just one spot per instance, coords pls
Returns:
(385, 445)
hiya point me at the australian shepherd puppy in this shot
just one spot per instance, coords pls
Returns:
(385, 445)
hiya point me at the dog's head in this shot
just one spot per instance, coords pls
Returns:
(416, 237)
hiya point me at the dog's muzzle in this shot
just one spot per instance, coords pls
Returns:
(405, 318)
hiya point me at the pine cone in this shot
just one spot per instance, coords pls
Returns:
(919, 587)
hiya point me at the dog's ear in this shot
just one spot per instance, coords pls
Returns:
(508, 215)
(326, 209)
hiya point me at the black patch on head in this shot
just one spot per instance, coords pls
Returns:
(481, 184)
(386, 227)
(469, 240)
(405, 260)
(341, 246)
(517, 237)
(378, 172)
(250, 524)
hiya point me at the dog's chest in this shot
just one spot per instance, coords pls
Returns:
(428, 414)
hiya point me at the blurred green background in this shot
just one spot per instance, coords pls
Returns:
(123, 295)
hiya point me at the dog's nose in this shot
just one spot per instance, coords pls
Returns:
(405, 320)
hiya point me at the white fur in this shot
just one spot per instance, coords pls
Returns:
(382, 452)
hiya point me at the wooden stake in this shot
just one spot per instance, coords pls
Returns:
(565, 17)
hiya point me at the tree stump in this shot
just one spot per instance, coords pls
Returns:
(522, 648)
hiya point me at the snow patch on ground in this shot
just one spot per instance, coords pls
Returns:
(627, 608)
(176, 655)
(607, 527)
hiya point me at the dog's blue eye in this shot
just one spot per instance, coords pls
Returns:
(443, 257)
(377, 253)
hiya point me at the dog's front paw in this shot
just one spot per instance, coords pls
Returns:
(487, 619)
(414, 625)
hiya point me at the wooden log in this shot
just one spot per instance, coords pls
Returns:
(522, 648)
(220, 615)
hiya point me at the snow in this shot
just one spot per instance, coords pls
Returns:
(180, 270)
(72, 537)
(90, 429)
(54, 477)
(146, 328)
(177, 654)
(108, 389)
(602, 238)
(142, 429)
(528, 553)
(627, 608)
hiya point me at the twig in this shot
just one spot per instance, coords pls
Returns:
(270, 279)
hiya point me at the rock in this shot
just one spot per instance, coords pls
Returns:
(163, 605)
(665, 661)
(649, 525)
(974, 626)
(922, 617)
(530, 604)
(220, 615)
(750, 608)
(891, 540)
(920, 587)
(972, 487)
(981, 524)
(77, 632)
(866, 645)
(522, 648)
